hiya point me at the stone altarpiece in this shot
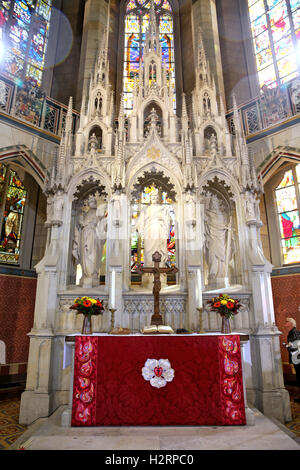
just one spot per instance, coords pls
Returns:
(210, 179)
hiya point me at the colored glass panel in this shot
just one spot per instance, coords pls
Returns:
(287, 78)
(256, 10)
(136, 25)
(38, 46)
(259, 25)
(286, 199)
(288, 221)
(280, 28)
(273, 3)
(10, 238)
(2, 181)
(267, 76)
(284, 47)
(263, 59)
(287, 65)
(287, 180)
(14, 65)
(296, 19)
(261, 42)
(294, 4)
(27, 33)
(34, 75)
(291, 250)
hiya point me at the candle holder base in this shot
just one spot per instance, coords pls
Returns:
(112, 320)
(201, 331)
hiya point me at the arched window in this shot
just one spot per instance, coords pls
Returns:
(24, 28)
(287, 197)
(12, 202)
(275, 27)
(136, 24)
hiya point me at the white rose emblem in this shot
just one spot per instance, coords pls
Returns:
(158, 372)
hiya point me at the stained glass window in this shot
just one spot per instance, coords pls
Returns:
(24, 26)
(136, 23)
(276, 38)
(137, 242)
(12, 202)
(287, 202)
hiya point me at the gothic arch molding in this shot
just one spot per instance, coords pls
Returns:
(85, 181)
(21, 155)
(275, 159)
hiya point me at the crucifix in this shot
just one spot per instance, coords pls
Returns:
(156, 319)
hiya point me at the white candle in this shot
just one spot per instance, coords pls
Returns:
(199, 283)
(113, 289)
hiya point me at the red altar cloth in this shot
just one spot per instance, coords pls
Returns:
(110, 390)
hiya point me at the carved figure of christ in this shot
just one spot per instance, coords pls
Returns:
(156, 318)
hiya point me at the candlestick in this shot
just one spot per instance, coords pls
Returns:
(200, 310)
(112, 320)
(199, 283)
(113, 289)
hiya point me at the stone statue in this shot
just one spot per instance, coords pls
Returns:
(218, 241)
(154, 222)
(89, 239)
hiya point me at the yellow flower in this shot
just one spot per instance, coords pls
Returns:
(94, 301)
(224, 302)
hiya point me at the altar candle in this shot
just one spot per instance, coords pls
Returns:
(113, 289)
(199, 283)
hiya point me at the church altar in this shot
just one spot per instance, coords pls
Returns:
(199, 381)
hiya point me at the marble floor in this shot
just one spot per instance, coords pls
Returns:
(265, 434)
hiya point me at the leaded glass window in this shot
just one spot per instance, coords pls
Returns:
(287, 203)
(12, 203)
(24, 26)
(275, 27)
(136, 24)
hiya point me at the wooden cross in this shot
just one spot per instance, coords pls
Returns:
(156, 319)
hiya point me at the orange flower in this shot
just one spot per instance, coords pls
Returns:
(87, 303)
(98, 303)
(230, 305)
(217, 304)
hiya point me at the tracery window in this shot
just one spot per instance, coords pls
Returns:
(12, 203)
(287, 195)
(136, 24)
(275, 27)
(24, 26)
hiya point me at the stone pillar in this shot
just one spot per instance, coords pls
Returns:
(37, 400)
(270, 396)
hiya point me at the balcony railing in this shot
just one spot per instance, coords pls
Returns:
(275, 109)
(28, 104)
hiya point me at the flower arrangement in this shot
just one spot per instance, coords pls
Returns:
(224, 305)
(88, 306)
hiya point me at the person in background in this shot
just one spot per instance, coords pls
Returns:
(293, 335)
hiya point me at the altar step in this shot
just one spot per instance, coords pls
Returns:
(265, 434)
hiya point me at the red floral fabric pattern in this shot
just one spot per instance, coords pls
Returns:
(206, 389)
(85, 380)
(231, 380)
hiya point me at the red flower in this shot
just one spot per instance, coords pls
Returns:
(75, 305)
(217, 304)
(99, 304)
(87, 303)
(230, 305)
